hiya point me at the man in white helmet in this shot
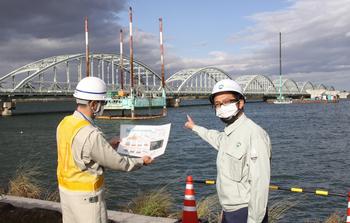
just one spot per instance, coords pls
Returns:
(243, 160)
(83, 153)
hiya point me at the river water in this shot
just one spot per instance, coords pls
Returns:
(310, 149)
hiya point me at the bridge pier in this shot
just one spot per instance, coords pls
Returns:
(164, 111)
(173, 102)
(7, 106)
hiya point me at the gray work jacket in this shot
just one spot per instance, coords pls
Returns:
(92, 152)
(243, 166)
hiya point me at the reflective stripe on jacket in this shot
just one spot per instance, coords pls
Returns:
(69, 175)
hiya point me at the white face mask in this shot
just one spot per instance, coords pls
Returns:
(227, 111)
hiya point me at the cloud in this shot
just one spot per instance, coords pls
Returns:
(33, 30)
(56, 19)
(314, 40)
(315, 44)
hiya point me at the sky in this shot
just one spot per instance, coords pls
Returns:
(240, 37)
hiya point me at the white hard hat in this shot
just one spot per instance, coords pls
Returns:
(225, 85)
(91, 89)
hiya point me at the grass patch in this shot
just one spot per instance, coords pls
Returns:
(25, 183)
(279, 207)
(209, 209)
(335, 218)
(156, 203)
(52, 196)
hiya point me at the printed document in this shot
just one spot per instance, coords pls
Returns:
(142, 140)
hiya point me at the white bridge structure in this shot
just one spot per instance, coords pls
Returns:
(58, 76)
(201, 81)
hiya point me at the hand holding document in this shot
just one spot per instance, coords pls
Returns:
(143, 140)
(114, 142)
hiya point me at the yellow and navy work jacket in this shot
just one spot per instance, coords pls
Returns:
(71, 177)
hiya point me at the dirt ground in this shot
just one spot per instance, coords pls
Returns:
(12, 214)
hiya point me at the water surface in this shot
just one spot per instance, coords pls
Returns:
(310, 147)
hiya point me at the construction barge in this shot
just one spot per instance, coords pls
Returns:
(120, 103)
(128, 98)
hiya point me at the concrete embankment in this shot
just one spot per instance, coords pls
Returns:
(115, 216)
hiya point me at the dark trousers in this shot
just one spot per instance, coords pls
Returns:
(239, 216)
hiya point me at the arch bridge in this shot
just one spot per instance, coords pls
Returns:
(195, 81)
(200, 81)
(59, 75)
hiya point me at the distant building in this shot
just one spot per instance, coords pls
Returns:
(344, 95)
(323, 94)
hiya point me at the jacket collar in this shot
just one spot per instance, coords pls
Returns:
(229, 129)
(82, 116)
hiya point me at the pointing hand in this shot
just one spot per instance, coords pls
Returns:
(190, 123)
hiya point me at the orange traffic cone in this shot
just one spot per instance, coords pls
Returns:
(189, 214)
(348, 212)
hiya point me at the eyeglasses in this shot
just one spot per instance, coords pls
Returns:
(226, 102)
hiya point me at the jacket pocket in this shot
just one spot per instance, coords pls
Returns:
(232, 163)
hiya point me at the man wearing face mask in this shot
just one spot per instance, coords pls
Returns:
(83, 153)
(243, 160)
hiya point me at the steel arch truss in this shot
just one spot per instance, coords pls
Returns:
(320, 87)
(196, 81)
(288, 86)
(304, 86)
(256, 84)
(60, 74)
